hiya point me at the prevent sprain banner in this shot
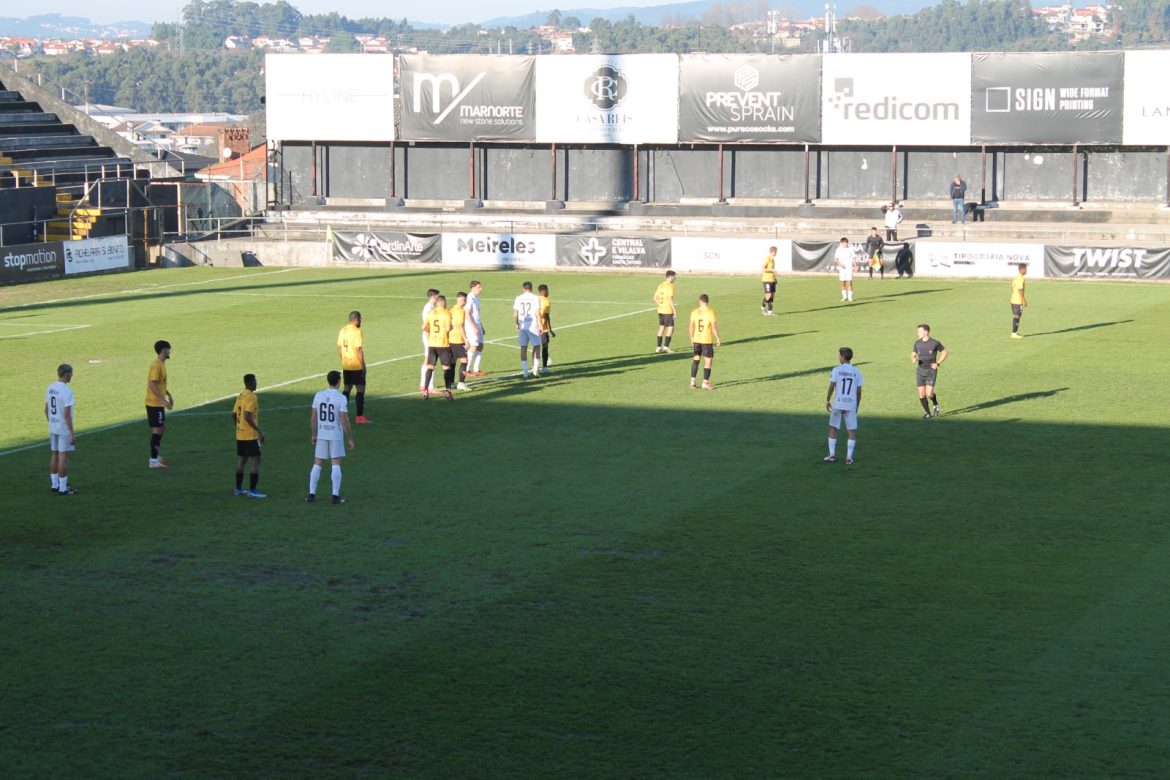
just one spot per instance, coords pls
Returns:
(467, 97)
(385, 248)
(613, 252)
(750, 97)
(1114, 262)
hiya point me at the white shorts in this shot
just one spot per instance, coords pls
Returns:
(528, 337)
(60, 442)
(473, 335)
(845, 274)
(328, 449)
(850, 416)
(426, 345)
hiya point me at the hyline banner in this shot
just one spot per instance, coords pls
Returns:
(329, 97)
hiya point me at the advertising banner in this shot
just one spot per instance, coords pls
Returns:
(329, 97)
(813, 255)
(1113, 262)
(727, 255)
(500, 250)
(613, 252)
(385, 248)
(31, 262)
(1147, 99)
(607, 99)
(896, 99)
(1047, 98)
(750, 97)
(974, 259)
(96, 254)
(467, 97)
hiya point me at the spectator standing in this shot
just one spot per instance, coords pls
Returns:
(958, 200)
(892, 219)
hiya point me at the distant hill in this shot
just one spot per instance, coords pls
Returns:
(58, 26)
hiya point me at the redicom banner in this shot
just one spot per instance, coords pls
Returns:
(500, 250)
(607, 99)
(1147, 98)
(1047, 98)
(613, 252)
(385, 248)
(727, 255)
(31, 262)
(750, 97)
(969, 258)
(329, 97)
(1115, 262)
(896, 99)
(89, 255)
(467, 97)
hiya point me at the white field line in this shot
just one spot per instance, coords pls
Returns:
(55, 329)
(418, 298)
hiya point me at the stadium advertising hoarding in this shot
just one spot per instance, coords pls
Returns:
(386, 248)
(1046, 97)
(618, 99)
(749, 97)
(976, 259)
(896, 99)
(467, 97)
(812, 255)
(500, 250)
(1113, 262)
(31, 262)
(727, 255)
(1147, 99)
(613, 252)
(90, 255)
(329, 97)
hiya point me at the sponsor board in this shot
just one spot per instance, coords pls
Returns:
(603, 99)
(975, 259)
(1113, 262)
(727, 255)
(500, 250)
(749, 97)
(96, 254)
(1147, 99)
(385, 248)
(896, 99)
(31, 262)
(329, 97)
(613, 252)
(1046, 98)
(467, 97)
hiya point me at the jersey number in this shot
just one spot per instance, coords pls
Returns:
(53, 406)
(847, 386)
(326, 413)
(526, 310)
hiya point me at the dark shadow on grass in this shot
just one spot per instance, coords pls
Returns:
(786, 375)
(768, 337)
(1009, 399)
(1092, 326)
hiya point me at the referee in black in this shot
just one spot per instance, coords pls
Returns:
(928, 354)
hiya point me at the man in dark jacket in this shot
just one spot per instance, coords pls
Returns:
(958, 200)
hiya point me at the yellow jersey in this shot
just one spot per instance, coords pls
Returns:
(769, 274)
(702, 325)
(664, 297)
(158, 375)
(246, 402)
(439, 328)
(1018, 290)
(458, 318)
(349, 340)
(545, 308)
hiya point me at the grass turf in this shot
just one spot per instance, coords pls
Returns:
(599, 572)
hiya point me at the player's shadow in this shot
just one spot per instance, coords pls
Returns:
(1092, 326)
(910, 292)
(767, 337)
(1009, 399)
(786, 375)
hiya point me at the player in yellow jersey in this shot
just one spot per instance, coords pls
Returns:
(437, 330)
(1019, 301)
(768, 277)
(546, 330)
(704, 337)
(158, 401)
(249, 437)
(458, 339)
(353, 362)
(664, 304)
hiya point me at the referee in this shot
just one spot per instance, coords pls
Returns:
(927, 354)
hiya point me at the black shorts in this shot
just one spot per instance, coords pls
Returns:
(355, 376)
(156, 416)
(666, 320)
(927, 375)
(249, 448)
(439, 356)
(1017, 310)
(459, 351)
(769, 287)
(704, 350)
(544, 338)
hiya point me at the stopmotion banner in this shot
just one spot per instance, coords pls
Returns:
(31, 262)
(749, 97)
(500, 250)
(467, 97)
(727, 255)
(386, 248)
(896, 99)
(618, 99)
(613, 252)
(1147, 98)
(329, 97)
(1116, 262)
(940, 258)
(1047, 98)
(89, 255)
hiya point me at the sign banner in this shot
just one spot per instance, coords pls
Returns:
(96, 254)
(385, 248)
(813, 255)
(613, 252)
(1147, 99)
(728, 255)
(500, 250)
(329, 97)
(467, 97)
(31, 262)
(1113, 262)
(896, 99)
(1047, 98)
(968, 258)
(607, 99)
(749, 97)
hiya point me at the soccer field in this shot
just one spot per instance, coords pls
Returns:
(599, 572)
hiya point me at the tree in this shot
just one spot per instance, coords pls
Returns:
(343, 43)
(571, 23)
(554, 18)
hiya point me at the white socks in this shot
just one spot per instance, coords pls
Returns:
(314, 478)
(850, 447)
(832, 448)
(524, 367)
(63, 484)
(336, 477)
(54, 477)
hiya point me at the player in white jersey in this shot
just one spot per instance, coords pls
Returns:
(329, 427)
(422, 375)
(843, 261)
(62, 437)
(842, 401)
(473, 329)
(526, 314)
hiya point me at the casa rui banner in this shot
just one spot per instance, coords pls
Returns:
(379, 247)
(467, 97)
(1107, 262)
(613, 251)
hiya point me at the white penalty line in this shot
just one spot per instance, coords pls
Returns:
(55, 329)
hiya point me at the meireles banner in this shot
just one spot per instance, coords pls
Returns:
(467, 97)
(1147, 98)
(500, 250)
(618, 99)
(749, 97)
(329, 97)
(1064, 97)
(896, 99)
(1111, 262)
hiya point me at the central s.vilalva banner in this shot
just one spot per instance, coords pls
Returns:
(467, 97)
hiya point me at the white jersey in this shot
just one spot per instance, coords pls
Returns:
(329, 406)
(472, 309)
(843, 260)
(527, 308)
(427, 310)
(893, 217)
(848, 383)
(58, 398)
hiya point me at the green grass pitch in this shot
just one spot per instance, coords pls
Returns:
(598, 573)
